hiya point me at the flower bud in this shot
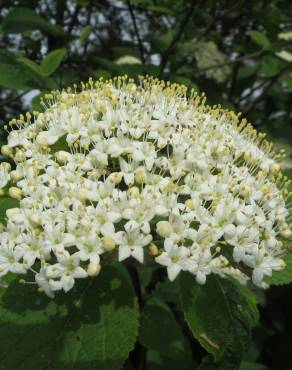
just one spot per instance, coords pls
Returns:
(153, 250)
(34, 218)
(6, 166)
(12, 212)
(275, 168)
(115, 177)
(15, 192)
(245, 190)
(16, 175)
(141, 176)
(108, 243)
(133, 192)
(15, 215)
(163, 228)
(45, 139)
(82, 194)
(93, 268)
(62, 156)
(19, 156)
(6, 150)
(286, 233)
(190, 203)
(264, 189)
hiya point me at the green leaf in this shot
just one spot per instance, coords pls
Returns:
(260, 39)
(247, 71)
(156, 361)
(23, 19)
(246, 365)
(94, 327)
(270, 66)
(52, 61)
(31, 64)
(85, 33)
(160, 332)
(221, 315)
(14, 74)
(6, 203)
(284, 276)
(161, 43)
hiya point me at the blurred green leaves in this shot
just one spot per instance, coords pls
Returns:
(261, 39)
(52, 61)
(14, 74)
(22, 19)
(20, 73)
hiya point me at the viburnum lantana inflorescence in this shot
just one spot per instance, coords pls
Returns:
(141, 168)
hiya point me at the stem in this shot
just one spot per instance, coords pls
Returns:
(240, 59)
(136, 282)
(141, 48)
(176, 37)
(139, 355)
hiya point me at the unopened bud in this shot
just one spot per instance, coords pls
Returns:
(141, 177)
(153, 250)
(6, 150)
(108, 243)
(16, 175)
(82, 194)
(163, 228)
(286, 233)
(15, 192)
(6, 166)
(133, 192)
(62, 156)
(264, 189)
(43, 139)
(245, 190)
(19, 156)
(93, 268)
(12, 212)
(115, 177)
(190, 203)
(34, 218)
(275, 168)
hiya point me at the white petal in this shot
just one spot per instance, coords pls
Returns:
(200, 278)
(124, 252)
(129, 178)
(173, 271)
(79, 273)
(138, 254)
(107, 229)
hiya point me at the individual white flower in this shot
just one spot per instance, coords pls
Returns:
(65, 271)
(90, 247)
(44, 283)
(173, 258)
(131, 242)
(10, 261)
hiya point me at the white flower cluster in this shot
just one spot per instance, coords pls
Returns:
(122, 167)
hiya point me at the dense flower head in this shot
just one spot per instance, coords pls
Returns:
(127, 169)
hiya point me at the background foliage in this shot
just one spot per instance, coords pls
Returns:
(231, 50)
